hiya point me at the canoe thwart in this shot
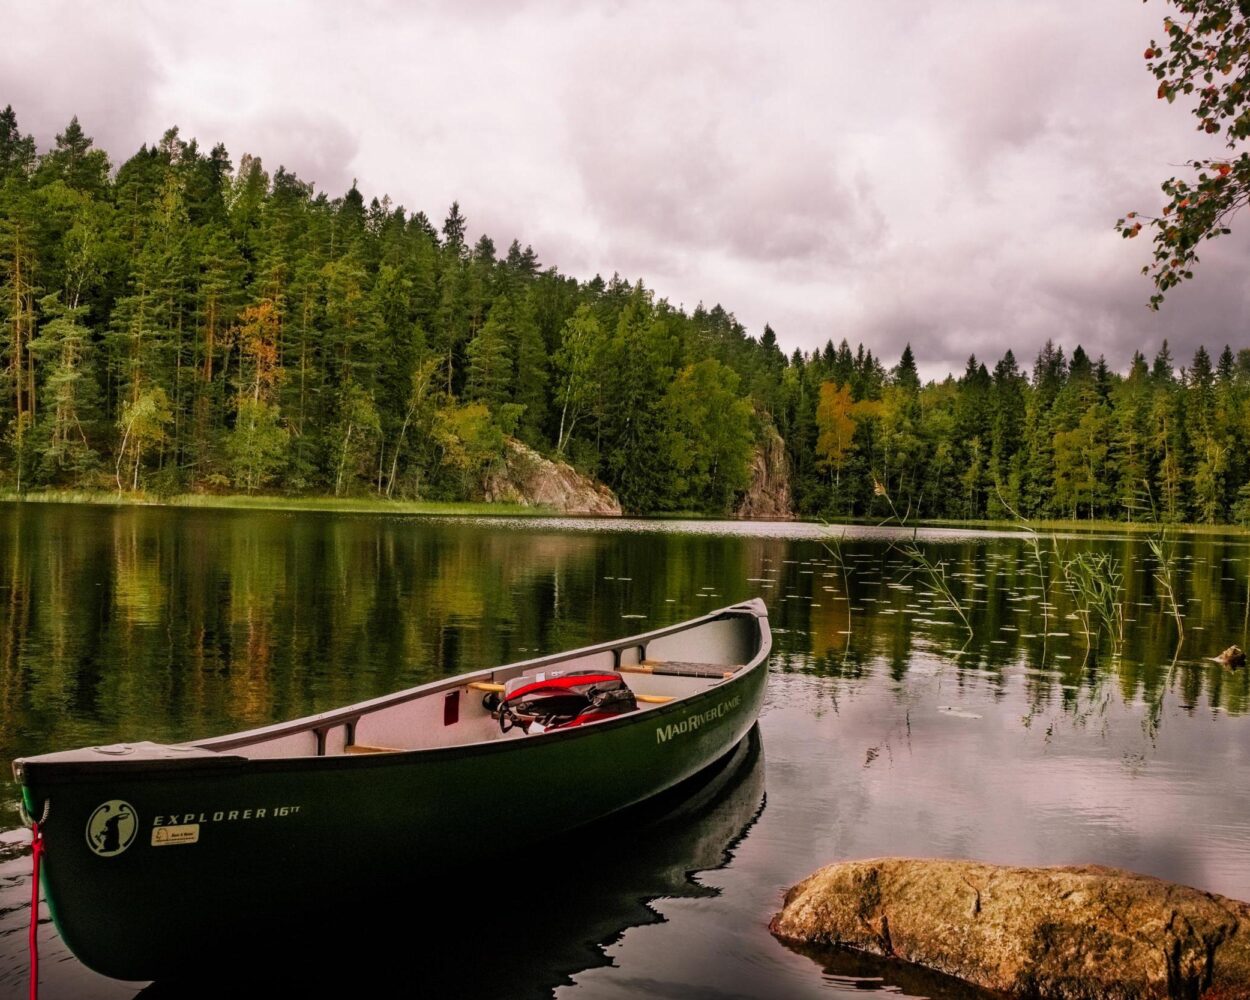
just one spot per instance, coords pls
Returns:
(679, 668)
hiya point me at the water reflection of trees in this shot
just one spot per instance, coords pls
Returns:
(1019, 616)
(168, 624)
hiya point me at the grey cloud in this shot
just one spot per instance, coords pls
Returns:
(997, 88)
(800, 210)
(319, 148)
(1104, 309)
(941, 173)
(671, 146)
(63, 60)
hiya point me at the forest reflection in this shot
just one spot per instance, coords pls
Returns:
(165, 624)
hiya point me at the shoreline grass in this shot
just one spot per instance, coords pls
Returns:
(314, 504)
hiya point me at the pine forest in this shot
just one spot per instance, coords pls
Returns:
(179, 323)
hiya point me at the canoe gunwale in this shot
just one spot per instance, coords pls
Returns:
(345, 715)
(34, 770)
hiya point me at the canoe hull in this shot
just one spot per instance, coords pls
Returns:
(217, 847)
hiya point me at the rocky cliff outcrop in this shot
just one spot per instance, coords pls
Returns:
(1078, 933)
(768, 496)
(525, 477)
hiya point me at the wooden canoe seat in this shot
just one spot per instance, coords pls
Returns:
(363, 748)
(679, 668)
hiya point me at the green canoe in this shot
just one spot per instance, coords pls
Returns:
(155, 855)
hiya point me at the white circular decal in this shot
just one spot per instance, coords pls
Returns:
(112, 827)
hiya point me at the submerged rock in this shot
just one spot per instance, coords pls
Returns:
(525, 477)
(1232, 657)
(1075, 933)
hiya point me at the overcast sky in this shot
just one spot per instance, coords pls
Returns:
(944, 173)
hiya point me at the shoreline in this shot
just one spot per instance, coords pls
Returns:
(311, 505)
(435, 508)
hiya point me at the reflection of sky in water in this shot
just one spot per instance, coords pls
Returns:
(887, 773)
(793, 530)
(887, 730)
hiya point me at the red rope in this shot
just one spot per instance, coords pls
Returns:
(36, 853)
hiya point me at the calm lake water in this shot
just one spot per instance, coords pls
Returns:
(887, 729)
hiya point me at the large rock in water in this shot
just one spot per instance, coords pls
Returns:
(768, 496)
(1080, 933)
(525, 477)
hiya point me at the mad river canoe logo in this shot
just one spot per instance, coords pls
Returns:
(112, 827)
(692, 722)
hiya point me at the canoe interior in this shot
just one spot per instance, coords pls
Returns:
(659, 667)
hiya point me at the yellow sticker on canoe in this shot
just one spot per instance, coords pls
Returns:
(166, 836)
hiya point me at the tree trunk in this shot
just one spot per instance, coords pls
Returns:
(338, 480)
(399, 443)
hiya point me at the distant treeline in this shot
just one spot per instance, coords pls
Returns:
(180, 324)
